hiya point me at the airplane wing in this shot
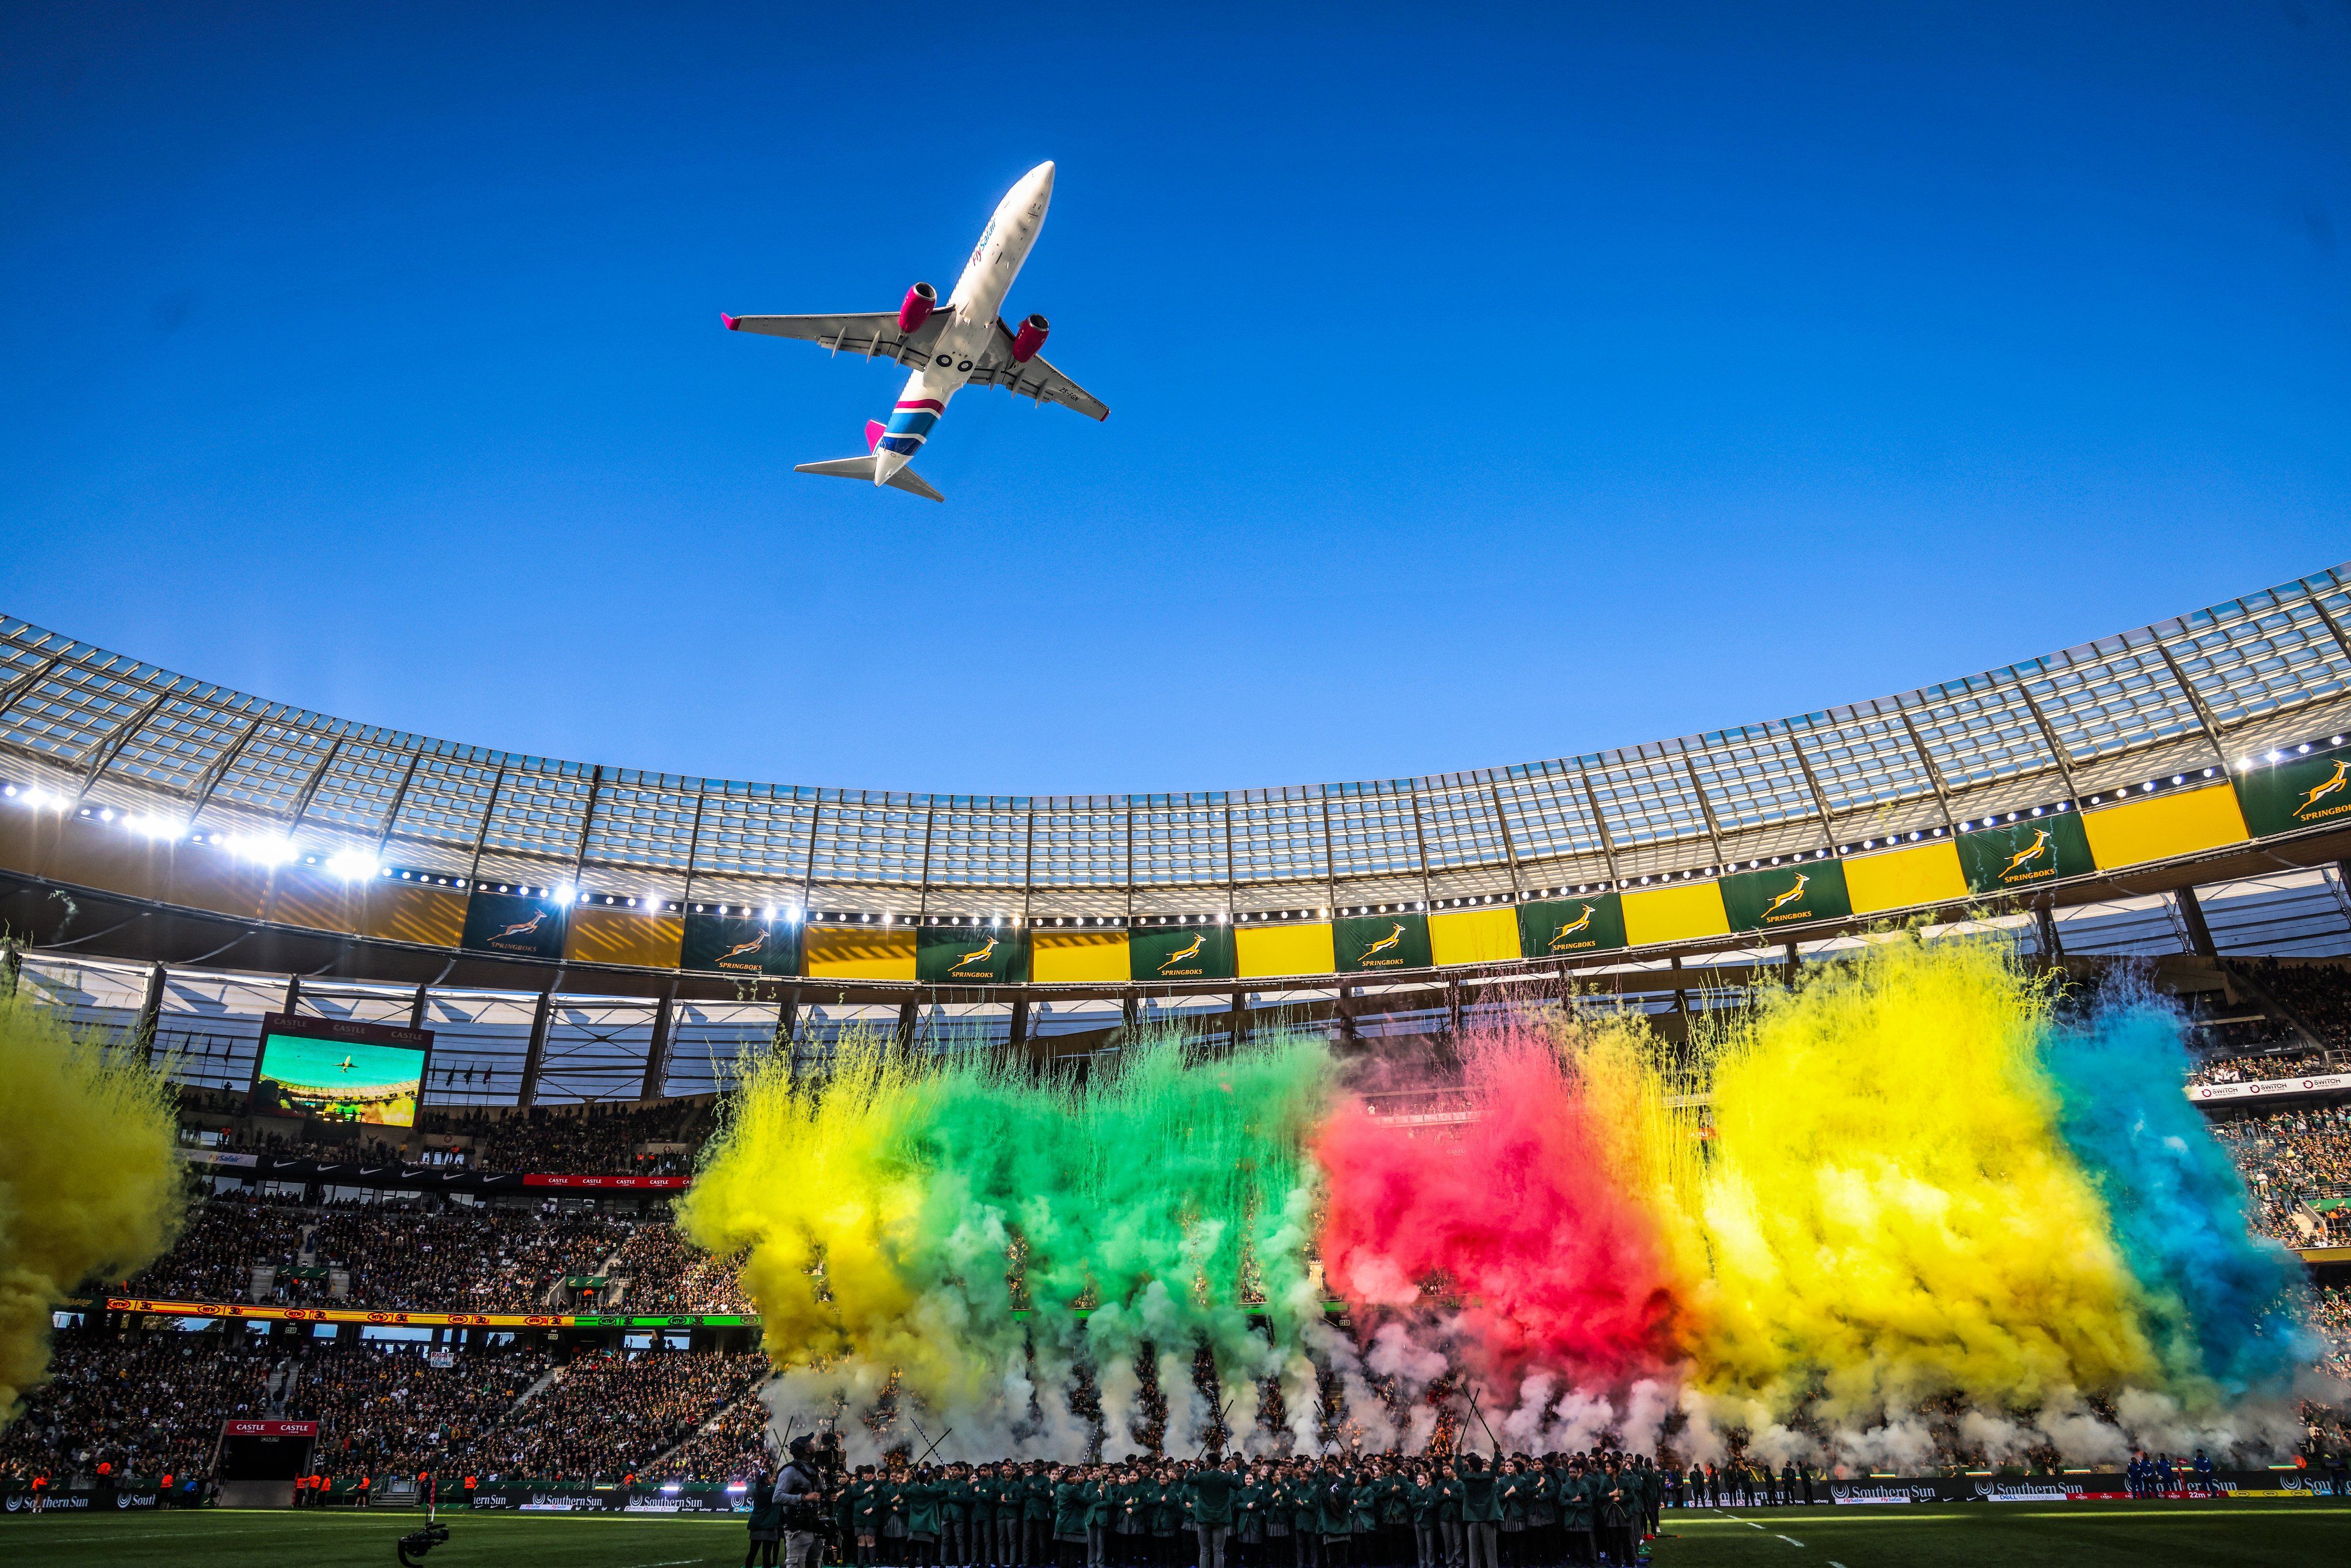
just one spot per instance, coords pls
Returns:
(874, 335)
(1037, 379)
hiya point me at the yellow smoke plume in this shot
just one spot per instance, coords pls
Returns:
(1891, 1212)
(90, 1181)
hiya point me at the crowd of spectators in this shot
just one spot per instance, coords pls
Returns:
(214, 1257)
(147, 1407)
(568, 1431)
(463, 1260)
(470, 1260)
(2255, 1067)
(2291, 1158)
(2331, 1315)
(386, 1409)
(667, 1273)
(596, 1140)
(2319, 995)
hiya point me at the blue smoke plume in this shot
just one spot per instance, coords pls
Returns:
(2223, 1305)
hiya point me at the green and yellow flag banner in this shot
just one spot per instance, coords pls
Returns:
(1561, 927)
(1180, 952)
(740, 945)
(2299, 792)
(970, 955)
(1786, 895)
(2028, 850)
(1365, 943)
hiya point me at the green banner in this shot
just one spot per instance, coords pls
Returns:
(1786, 895)
(1180, 952)
(2300, 792)
(740, 945)
(970, 955)
(2028, 850)
(1372, 942)
(508, 923)
(1555, 927)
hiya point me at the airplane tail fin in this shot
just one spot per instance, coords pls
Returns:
(862, 469)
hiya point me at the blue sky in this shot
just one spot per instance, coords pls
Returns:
(1486, 384)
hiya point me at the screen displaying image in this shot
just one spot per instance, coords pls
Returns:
(339, 1080)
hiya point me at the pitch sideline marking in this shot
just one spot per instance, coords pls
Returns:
(1792, 1541)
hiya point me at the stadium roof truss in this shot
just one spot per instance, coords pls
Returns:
(106, 731)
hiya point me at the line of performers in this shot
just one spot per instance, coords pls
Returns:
(1389, 1511)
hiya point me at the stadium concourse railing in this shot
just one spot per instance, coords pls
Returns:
(149, 815)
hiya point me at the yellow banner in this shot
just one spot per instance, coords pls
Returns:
(1902, 878)
(2176, 822)
(1675, 913)
(1078, 957)
(1300, 949)
(1487, 935)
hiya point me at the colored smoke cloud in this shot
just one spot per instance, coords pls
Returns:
(1903, 1209)
(90, 1179)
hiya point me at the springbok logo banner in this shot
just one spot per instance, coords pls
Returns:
(970, 955)
(504, 923)
(1372, 942)
(2300, 792)
(1180, 952)
(740, 945)
(1780, 895)
(1561, 927)
(2028, 850)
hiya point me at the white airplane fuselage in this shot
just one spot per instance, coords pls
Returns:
(979, 294)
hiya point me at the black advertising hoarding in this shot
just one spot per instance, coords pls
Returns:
(1370, 943)
(513, 924)
(1560, 927)
(1180, 952)
(740, 945)
(2028, 850)
(1791, 895)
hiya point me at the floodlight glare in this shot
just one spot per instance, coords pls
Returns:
(352, 864)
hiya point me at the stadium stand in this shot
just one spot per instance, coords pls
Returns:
(2294, 1159)
(2318, 995)
(144, 1405)
(666, 1273)
(567, 1430)
(387, 1409)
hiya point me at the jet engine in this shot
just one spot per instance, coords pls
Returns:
(921, 300)
(1030, 339)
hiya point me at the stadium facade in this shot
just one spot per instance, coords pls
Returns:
(162, 836)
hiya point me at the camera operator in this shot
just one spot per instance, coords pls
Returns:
(801, 1493)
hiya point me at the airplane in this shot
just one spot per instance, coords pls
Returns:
(345, 1065)
(947, 347)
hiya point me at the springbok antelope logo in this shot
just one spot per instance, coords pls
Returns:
(2029, 853)
(736, 951)
(521, 928)
(1199, 940)
(1395, 939)
(2334, 786)
(1803, 879)
(977, 956)
(1564, 932)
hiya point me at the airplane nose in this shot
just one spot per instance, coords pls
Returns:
(1043, 174)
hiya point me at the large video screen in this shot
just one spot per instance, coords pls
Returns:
(324, 1070)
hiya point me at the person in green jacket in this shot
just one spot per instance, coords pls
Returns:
(1420, 1504)
(1576, 1518)
(1249, 1518)
(863, 1511)
(1101, 1501)
(955, 1517)
(1208, 1498)
(1036, 1516)
(1070, 1515)
(1448, 1513)
(1481, 1511)
(1305, 1515)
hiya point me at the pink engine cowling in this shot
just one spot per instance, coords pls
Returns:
(921, 300)
(1030, 339)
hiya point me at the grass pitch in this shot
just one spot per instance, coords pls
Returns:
(2245, 1533)
(2241, 1533)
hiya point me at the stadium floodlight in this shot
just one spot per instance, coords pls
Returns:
(353, 866)
(568, 893)
(39, 799)
(106, 813)
(264, 849)
(154, 827)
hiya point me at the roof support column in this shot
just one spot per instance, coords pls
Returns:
(1018, 1035)
(150, 1013)
(2192, 921)
(542, 1022)
(657, 1049)
(416, 1009)
(1239, 1015)
(909, 1014)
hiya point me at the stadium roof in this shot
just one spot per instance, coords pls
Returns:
(105, 731)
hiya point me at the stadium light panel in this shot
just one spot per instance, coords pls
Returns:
(353, 866)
